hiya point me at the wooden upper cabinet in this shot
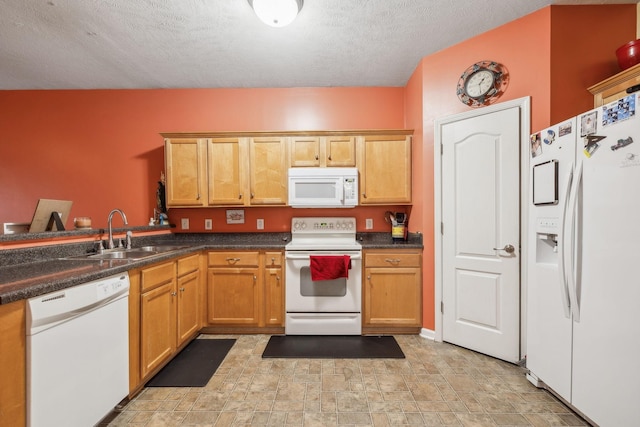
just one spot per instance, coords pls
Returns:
(250, 168)
(268, 171)
(186, 180)
(615, 87)
(305, 151)
(227, 166)
(340, 151)
(329, 151)
(384, 163)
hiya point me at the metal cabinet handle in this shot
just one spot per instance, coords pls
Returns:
(507, 248)
(173, 294)
(239, 196)
(233, 259)
(364, 195)
(181, 289)
(316, 157)
(273, 260)
(252, 195)
(392, 261)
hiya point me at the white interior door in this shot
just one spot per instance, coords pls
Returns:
(481, 233)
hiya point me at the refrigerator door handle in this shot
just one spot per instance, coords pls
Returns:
(566, 302)
(569, 249)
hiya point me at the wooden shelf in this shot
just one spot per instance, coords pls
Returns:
(615, 87)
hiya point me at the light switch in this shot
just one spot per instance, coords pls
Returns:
(208, 224)
(184, 223)
(260, 224)
(368, 223)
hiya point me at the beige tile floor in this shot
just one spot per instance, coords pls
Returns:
(437, 384)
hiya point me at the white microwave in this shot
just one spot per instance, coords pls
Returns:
(323, 187)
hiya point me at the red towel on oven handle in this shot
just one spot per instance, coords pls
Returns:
(329, 267)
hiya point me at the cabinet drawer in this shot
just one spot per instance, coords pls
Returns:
(391, 259)
(157, 275)
(232, 259)
(272, 259)
(188, 264)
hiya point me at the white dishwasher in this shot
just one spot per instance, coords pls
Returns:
(78, 353)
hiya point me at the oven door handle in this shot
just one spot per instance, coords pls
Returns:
(297, 257)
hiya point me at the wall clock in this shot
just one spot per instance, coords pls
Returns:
(482, 83)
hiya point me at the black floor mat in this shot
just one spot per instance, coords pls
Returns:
(332, 347)
(194, 365)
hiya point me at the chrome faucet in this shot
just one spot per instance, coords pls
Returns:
(124, 219)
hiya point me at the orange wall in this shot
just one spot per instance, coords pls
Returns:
(102, 148)
(552, 55)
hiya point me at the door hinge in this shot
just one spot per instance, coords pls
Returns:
(442, 307)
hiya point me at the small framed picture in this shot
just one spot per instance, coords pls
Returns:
(589, 123)
(235, 216)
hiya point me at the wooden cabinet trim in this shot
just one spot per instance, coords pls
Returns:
(188, 264)
(157, 275)
(391, 259)
(241, 134)
(233, 259)
(615, 87)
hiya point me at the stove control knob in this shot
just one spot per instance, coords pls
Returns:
(350, 226)
(303, 225)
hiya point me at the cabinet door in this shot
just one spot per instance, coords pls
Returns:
(226, 169)
(385, 169)
(305, 151)
(13, 391)
(186, 180)
(268, 180)
(340, 151)
(188, 306)
(157, 326)
(233, 296)
(392, 297)
(274, 297)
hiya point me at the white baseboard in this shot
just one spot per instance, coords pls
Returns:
(428, 334)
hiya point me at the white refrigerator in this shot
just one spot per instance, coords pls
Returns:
(583, 274)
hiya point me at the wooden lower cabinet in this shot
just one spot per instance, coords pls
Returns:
(158, 326)
(13, 371)
(164, 313)
(189, 296)
(245, 291)
(233, 296)
(392, 291)
(273, 289)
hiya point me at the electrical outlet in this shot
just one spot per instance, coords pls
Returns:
(184, 223)
(260, 224)
(208, 224)
(368, 224)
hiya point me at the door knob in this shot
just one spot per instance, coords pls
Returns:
(507, 248)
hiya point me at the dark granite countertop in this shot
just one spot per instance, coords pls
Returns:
(30, 272)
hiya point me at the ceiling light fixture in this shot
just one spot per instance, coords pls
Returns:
(276, 13)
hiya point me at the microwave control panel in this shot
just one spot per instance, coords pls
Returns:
(350, 190)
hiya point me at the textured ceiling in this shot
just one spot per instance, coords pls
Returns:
(78, 44)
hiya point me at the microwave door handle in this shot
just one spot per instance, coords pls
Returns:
(341, 190)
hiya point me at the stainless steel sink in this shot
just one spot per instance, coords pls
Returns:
(160, 248)
(124, 254)
(130, 254)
